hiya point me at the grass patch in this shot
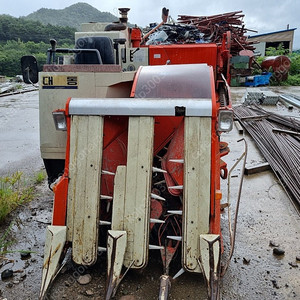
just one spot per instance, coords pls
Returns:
(293, 80)
(4, 241)
(39, 177)
(13, 192)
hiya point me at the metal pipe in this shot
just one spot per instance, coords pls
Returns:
(291, 100)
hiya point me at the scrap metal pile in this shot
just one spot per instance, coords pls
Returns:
(204, 29)
(278, 139)
(213, 27)
(176, 34)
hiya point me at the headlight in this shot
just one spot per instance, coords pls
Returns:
(225, 120)
(60, 120)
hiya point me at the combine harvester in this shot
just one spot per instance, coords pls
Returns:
(135, 153)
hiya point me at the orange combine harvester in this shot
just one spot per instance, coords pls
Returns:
(134, 153)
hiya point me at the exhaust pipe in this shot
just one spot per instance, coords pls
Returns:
(122, 24)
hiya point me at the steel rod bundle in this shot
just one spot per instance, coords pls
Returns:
(273, 135)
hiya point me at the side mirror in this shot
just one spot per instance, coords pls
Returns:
(29, 69)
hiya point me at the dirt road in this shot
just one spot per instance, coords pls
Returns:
(266, 214)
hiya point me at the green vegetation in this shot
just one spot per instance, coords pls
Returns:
(5, 241)
(27, 30)
(20, 37)
(30, 35)
(72, 16)
(294, 73)
(12, 51)
(272, 51)
(39, 177)
(13, 192)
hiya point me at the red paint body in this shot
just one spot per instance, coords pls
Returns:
(183, 54)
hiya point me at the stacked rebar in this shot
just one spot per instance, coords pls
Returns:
(278, 139)
(214, 26)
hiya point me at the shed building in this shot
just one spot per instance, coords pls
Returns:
(273, 39)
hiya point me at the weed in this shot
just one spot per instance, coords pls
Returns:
(13, 192)
(4, 242)
(39, 177)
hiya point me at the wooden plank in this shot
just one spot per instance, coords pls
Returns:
(257, 169)
(196, 200)
(138, 189)
(84, 187)
(117, 220)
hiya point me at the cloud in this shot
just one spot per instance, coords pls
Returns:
(264, 16)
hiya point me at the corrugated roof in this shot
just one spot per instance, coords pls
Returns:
(257, 35)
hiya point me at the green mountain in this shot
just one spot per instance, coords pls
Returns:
(71, 16)
(27, 30)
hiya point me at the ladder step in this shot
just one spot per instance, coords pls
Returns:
(157, 221)
(179, 273)
(176, 187)
(154, 196)
(179, 161)
(160, 182)
(104, 223)
(105, 197)
(102, 249)
(174, 237)
(155, 247)
(158, 170)
(104, 172)
(175, 212)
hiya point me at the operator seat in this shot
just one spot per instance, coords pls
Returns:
(103, 44)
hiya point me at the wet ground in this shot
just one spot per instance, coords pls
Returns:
(19, 134)
(266, 214)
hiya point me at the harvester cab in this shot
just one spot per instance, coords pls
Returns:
(135, 150)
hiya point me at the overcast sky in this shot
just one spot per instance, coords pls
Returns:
(261, 15)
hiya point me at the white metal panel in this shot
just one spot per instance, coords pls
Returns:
(138, 189)
(196, 200)
(53, 142)
(140, 107)
(54, 245)
(86, 145)
(210, 260)
(116, 245)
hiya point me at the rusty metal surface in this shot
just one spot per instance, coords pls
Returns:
(280, 65)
